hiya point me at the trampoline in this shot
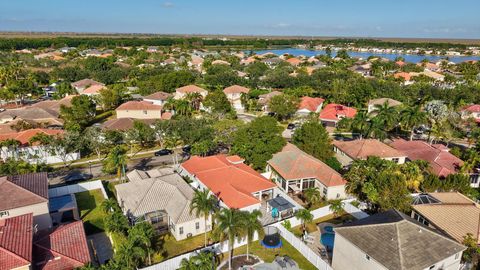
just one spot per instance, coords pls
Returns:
(272, 238)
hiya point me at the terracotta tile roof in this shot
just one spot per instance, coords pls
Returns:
(442, 163)
(335, 112)
(400, 63)
(292, 163)
(398, 242)
(85, 82)
(294, 61)
(455, 215)
(236, 89)
(139, 106)
(233, 182)
(472, 108)
(64, 248)
(93, 89)
(190, 89)
(124, 124)
(310, 103)
(381, 101)
(158, 96)
(220, 62)
(23, 190)
(361, 149)
(265, 98)
(24, 136)
(405, 75)
(16, 235)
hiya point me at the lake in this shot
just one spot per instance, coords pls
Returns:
(412, 58)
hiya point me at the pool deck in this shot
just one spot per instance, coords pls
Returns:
(315, 243)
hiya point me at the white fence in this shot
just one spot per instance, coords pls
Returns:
(352, 210)
(80, 187)
(317, 213)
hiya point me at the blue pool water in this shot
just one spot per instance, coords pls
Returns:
(328, 237)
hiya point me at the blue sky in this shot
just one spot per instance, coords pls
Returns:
(367, 18)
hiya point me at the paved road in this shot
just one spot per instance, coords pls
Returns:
(144, 163)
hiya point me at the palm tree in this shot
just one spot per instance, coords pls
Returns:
(130, 254)
(142, 234)
(413, 175)
(116, 222)
(304, 216)
(229, 225)
(202, 261)
(312, 195)
(252, 225)
(385, 114)
(109, 205)
(376, 129)
(336, 206)
(195, 100)
(117, 159)
(360, 123)
(188, 264)
(412, 117)
(203, 204)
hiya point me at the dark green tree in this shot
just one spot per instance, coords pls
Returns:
(313, 138)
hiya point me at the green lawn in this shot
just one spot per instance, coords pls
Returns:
(168, 247)
(90, 211)
(268, 255)
(312, 226)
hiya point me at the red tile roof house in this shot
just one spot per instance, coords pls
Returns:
(23, 194)
(471, 111)
(16, 242)
(348, 151)
(93, 90)
(309, 105)
(183, 91)
(234, 94)
(235, 184)
(35, 153)
(294, 171)
(81, 85)
(264, 99)
(332, 113)
(141, 110)
(442, 163)
(158, 98)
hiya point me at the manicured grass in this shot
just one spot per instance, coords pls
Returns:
(312, 226)
(168, 247)
(317, 205)
(90, 211)
(268, 255)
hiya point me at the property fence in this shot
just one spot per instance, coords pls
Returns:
(317, 213)
(80, 187)
(352, 210)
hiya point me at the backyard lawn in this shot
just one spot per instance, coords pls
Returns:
(168, 247)
(312, 226)
(268, 255)
(90, 211)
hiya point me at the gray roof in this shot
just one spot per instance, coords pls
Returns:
(155, 190)
(398, 242)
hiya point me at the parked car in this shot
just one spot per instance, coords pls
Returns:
(2, 109)
(163, 152)
(77, 177)
(291, 126)
(187, 148)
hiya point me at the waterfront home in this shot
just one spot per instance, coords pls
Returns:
(24, 194)
(452, 213)
(405, 76)
(381, 101)
(348, 151)
(158, 98)
(162, 198)
(294, 61)
(235, 184)
(294, 171)
(309, 105)
(185, 90)
(272, 62)
(234, 94)
(392, 240)
(81, 85)
(139, 110)
(24, 147)
(332, 113)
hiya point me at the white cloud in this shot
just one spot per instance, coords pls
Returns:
(168, 5)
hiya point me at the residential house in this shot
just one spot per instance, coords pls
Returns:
(26, 194)
(405, 76)
(442, 163)
(234, 94)
(332, 113)
(124, 124)
(272, 62)
(294, 171)
(365, 70)
(309, 105)
(84, 84)
(220, 62)
(93, 90)
(158, 98)
(163, 198)
(348, 151)
(264, 100)
(183, 91)
(234, 183)
(380, 102)
(294, 61)
(34, 152)
(392, 240)
(451, 213)
(140, 110)
(16, 242)
(471, 111)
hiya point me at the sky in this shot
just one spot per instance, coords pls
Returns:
(342, 18)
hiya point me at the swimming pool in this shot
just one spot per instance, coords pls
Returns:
(328, 237)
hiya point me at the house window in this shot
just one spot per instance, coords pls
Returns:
(324, 191)
(197, 225)
(144, 112)
(180, 230)
(367, 257)
(309, 183)
(431, 267)
(396, 160)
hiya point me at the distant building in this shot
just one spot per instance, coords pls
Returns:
(83, 84)
(183, 91)
(348, 151)
(234, 94)
(309, 105)
(139, 110)
(264, 100)
(158, 98)
(471, 111)
(380, 101)
(332, 113)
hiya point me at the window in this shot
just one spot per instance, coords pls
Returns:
(367, 257)
(180, 230)
(197, 225)
(431, 267)
(396, 160)
(324, 191)
(144, 112)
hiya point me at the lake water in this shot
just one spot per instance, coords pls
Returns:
(413, 58)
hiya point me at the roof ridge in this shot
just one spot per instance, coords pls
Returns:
(399, 244)
(61, 254)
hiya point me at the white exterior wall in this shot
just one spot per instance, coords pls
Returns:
(348, 160)
(180, 95)
(40, 211)
(346, 256)
(155, 101)
(336, 192)
(189, 227)
(37, 154)
(234, 99)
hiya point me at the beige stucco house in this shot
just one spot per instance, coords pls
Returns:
(348, 151)
(139, 110)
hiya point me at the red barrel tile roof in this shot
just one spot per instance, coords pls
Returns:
(16, 241)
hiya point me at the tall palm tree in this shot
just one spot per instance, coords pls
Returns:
(385, 114)
(252, 225)
(195, 100)
(360, 123)
(117, 158)
(130, 254)
(377, 129)
(304, 216)
(202, 261)
(336, 206)
(229, 225)
(109, 205)
(203, 204)
(143, 234)
(312, 195)
(412, 117)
